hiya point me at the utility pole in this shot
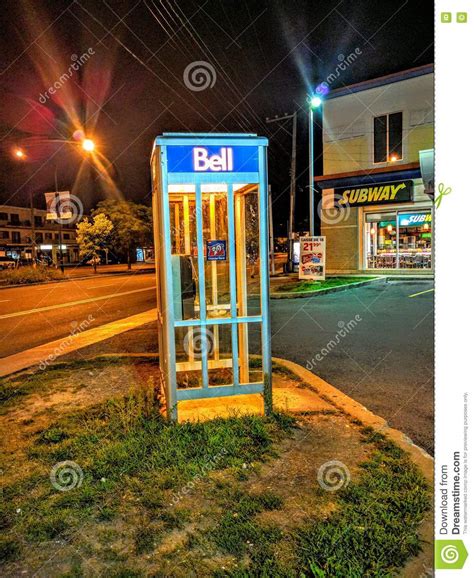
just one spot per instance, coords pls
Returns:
(33, 231)
(294, 117)
(272, 241)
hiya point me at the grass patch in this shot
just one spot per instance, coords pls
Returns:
(198, 497)
(304, 286)
(13, 388)
(27, 275)
(372, 533)
(124, 447)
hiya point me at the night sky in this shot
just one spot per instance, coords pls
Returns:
(263, 58)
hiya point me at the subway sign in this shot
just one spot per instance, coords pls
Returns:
(212, 159)
(396, 192)
(414, 219)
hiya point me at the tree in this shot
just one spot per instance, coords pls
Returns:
(132, 225)
(93, 236)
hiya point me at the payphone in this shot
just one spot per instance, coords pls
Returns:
(211, 248)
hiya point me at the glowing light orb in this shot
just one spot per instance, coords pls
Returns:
(88, 145)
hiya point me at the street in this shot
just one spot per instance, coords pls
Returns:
(30, 316)
(383, 357)
(384, 362)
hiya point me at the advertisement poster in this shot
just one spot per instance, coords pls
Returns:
(312, 258)
(216, 250)
(58, 205)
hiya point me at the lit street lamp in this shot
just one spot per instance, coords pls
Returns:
(314, 102)
(19, 154)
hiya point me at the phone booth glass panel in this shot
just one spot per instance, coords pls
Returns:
(211, 239)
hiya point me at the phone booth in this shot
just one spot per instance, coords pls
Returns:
(210, 207)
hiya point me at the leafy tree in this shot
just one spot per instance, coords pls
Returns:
(93, 236)
(132, 225)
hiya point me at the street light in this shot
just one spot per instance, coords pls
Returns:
(19, 154)
(314, 101)
(88, 145)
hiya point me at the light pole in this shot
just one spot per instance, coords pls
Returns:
(294, 117)
(88, 146)
(314, 102)
(20, 155)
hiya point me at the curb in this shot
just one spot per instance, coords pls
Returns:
(422, 564)
(118, 274)
(302, 294)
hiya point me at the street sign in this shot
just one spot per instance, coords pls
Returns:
(216, 251)
(312, 258)
(58, 205)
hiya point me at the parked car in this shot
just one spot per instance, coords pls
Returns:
(7, 263)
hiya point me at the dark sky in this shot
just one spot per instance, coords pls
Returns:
(263, 55)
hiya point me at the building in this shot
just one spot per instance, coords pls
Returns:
(17, 231)
(377, 201)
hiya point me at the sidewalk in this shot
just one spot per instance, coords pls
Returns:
(47, 353)
(73, 272)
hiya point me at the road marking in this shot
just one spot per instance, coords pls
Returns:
(41, 353)
(4, 300)
(100, 286)
(421, 293)
(71, 303)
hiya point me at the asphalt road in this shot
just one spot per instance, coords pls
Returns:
(375, 342)
(30, 316)
(384, 360)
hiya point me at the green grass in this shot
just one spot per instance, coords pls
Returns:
(304, 286)
(133, 462)
(372, 533)
(11, 388)
(27, 275)
(125, 445)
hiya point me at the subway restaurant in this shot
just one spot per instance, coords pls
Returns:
(377, 223)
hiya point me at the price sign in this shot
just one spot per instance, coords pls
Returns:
(312, 258)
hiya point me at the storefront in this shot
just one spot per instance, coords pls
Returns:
(378, 223)
(398, 239)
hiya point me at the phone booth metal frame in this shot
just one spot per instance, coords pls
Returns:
(204, 167)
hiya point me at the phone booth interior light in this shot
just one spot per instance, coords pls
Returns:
(210, 208)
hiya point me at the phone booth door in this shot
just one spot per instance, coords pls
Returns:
(211, 232)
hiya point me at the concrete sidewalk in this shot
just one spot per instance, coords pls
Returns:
(47, 353)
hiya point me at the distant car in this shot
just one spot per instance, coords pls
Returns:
(7, 263)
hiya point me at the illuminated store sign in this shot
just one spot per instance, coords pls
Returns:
(212, 159)
(400, 191)
(414, 219)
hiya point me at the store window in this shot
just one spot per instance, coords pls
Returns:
(414, 240)
(388, 137)
(398, 240)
